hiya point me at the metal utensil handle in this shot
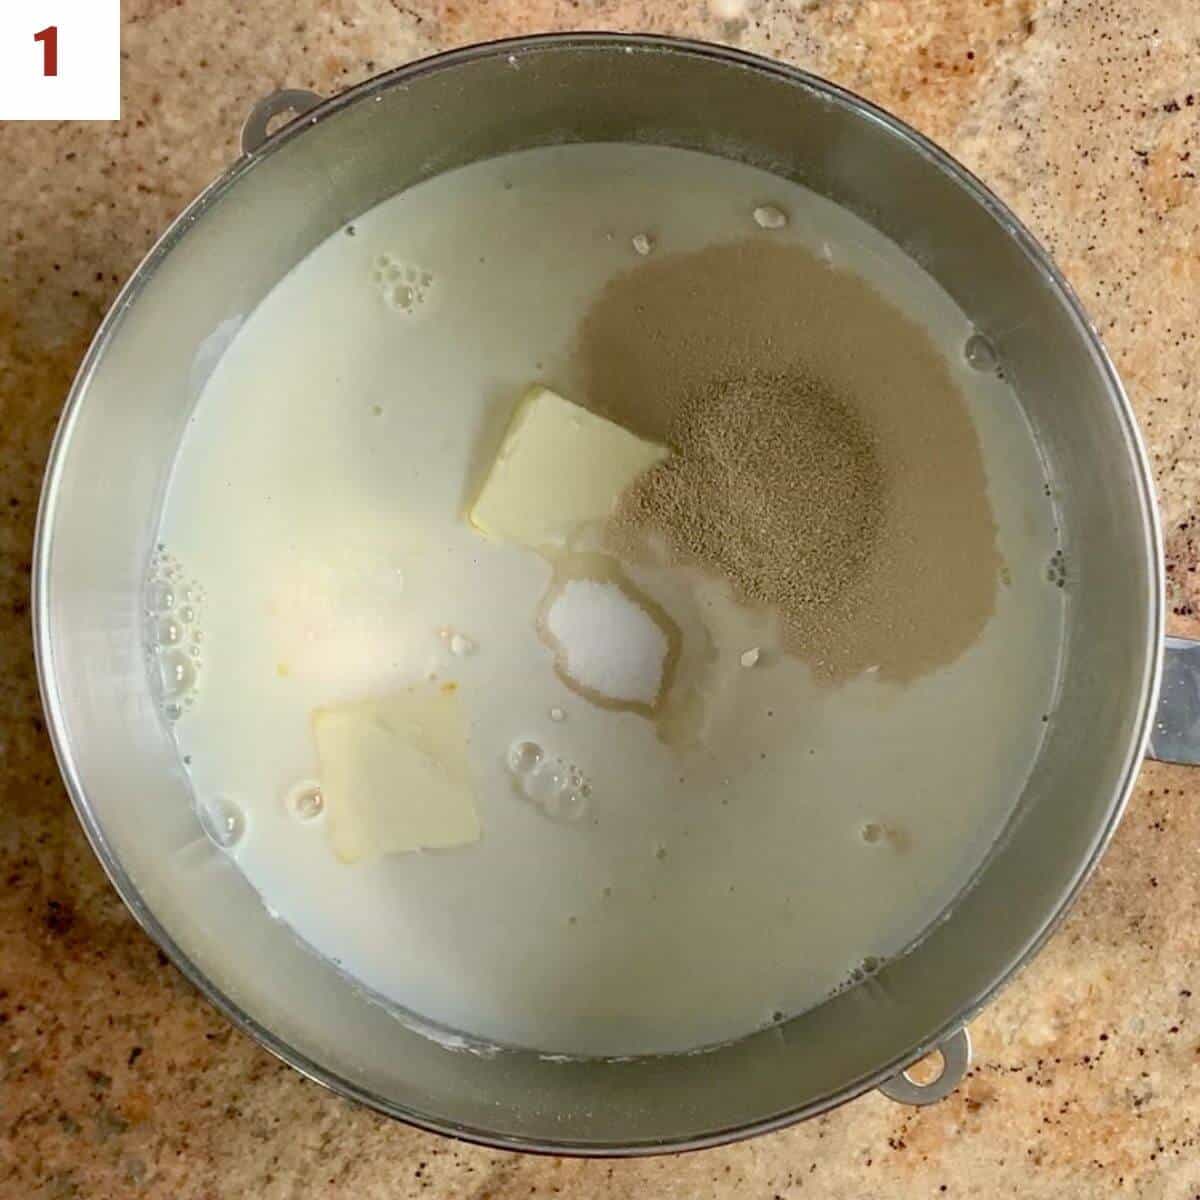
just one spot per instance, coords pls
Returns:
(1175, 737)
(294, 100)
(956, 1061)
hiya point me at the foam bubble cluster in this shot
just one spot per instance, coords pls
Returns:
(173, 633)
(404, 287)
(1056, 569)
(558, 788)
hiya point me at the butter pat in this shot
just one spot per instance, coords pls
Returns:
(394, 774)
(559, 467)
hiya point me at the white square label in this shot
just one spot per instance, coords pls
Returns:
(60, 60)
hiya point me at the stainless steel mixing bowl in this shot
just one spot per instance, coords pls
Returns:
(124, 420)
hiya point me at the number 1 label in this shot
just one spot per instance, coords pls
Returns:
(49, 39)
(60, 60)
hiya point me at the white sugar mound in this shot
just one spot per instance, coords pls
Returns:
(610, 645)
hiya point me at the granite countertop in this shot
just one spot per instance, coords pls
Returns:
(117, 1080)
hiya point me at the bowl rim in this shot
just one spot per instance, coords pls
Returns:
(516, 47)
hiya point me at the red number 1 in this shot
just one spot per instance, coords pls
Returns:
(49, 39)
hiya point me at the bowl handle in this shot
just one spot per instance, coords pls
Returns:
(956, 1061)
(255, 131)
(1175, 736)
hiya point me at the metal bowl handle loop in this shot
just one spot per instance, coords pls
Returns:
(956, 1061)
(256, 132)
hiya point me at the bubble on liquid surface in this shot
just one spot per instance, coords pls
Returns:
(866, 969)
(305, 801)
(545, 783)
(523, 757)
(222, 820)
(980, 353)
(461, 645)
(177, 673)
(767, 216)
(160, 596)
(573, 804)
(168, 632)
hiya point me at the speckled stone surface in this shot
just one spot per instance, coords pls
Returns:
(116, 1080)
